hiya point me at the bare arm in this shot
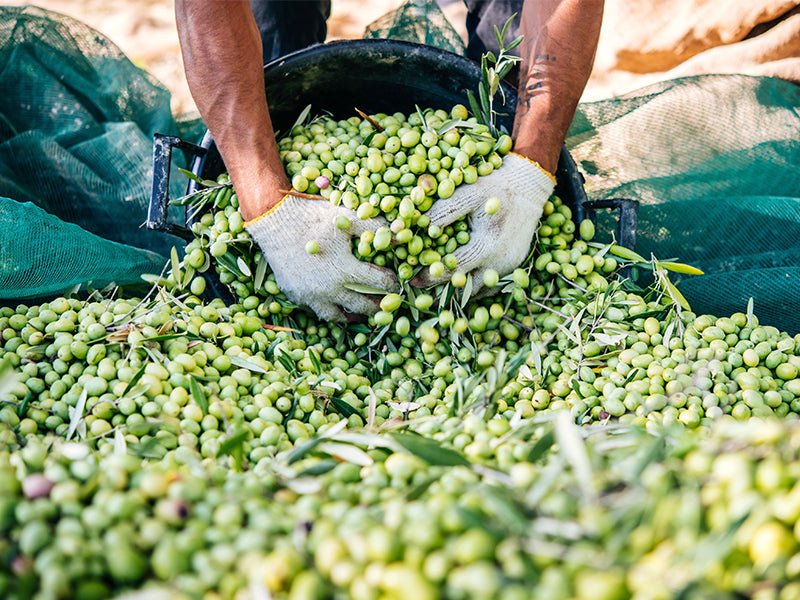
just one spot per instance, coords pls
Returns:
(222, 58)
(558, 49)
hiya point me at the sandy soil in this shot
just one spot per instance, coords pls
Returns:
(145, 31)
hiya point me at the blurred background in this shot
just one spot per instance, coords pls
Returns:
(642, 41)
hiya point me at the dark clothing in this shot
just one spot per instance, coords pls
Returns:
(289, 25)
(482, 17)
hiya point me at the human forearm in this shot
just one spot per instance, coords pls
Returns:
(558, 48)
(221, 51)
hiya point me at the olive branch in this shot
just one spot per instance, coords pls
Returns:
(491, 76)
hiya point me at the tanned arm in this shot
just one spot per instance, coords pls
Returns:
(221, 49)
(558, 49)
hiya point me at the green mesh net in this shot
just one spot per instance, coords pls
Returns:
(714, 161)
(65, 255)
(76, 125)
(420, 21)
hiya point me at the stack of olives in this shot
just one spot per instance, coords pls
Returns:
(569, 436)
(570, 513)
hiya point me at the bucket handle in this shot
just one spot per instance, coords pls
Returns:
(159, 194)
(628, 215)
(570, 185)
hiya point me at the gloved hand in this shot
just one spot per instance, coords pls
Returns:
(498, 241)
(317, 280)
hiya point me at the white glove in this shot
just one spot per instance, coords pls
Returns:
(502, 240)
(317, 280)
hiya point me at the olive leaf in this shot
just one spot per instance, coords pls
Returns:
(134, 380)
(302, 449)
(344, 408)
(209, 183)
(416, 491)
(491, 77)
(120, 445)
(449, 125)
(23, 406)
(376, 339)
(286, 362)
(198, 394)
(290, 413)
(369, 120)
(575, 385)
(76, 416)
(474, 107)
(233, 445)
(571, 444)
(174, 336)
(364, 289)
(150, 448)
(429, 450)
(301, 120)
(466, 293)
(229, 262)
(676, 295)
(667, 335)
(631, 376)
(153, 279)
(246, 364)
(499, 504)
(176, 269)
(370, 136)
(679, 267)
(423, 121)
(187, 277)
(313, 355)
(346, 452)
(542, 445)
(626, 253)
(261, 271)
(319, 468)
(278, 328)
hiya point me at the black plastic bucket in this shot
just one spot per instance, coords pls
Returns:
(378, 75)
(371, 75)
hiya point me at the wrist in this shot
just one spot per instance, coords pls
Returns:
(255, 168)
(258, 175)
(540, 127)
(259, 195)
(539, 144)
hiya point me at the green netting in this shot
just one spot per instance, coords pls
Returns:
(420, 21)
(714, 161)
(55, 265)
(76, 125)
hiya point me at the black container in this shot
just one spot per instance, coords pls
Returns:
(373, 76)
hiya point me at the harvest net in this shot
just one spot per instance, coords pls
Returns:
(713, 160)
(76, 125)
(420, 21)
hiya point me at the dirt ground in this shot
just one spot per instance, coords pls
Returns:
(145, 31)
